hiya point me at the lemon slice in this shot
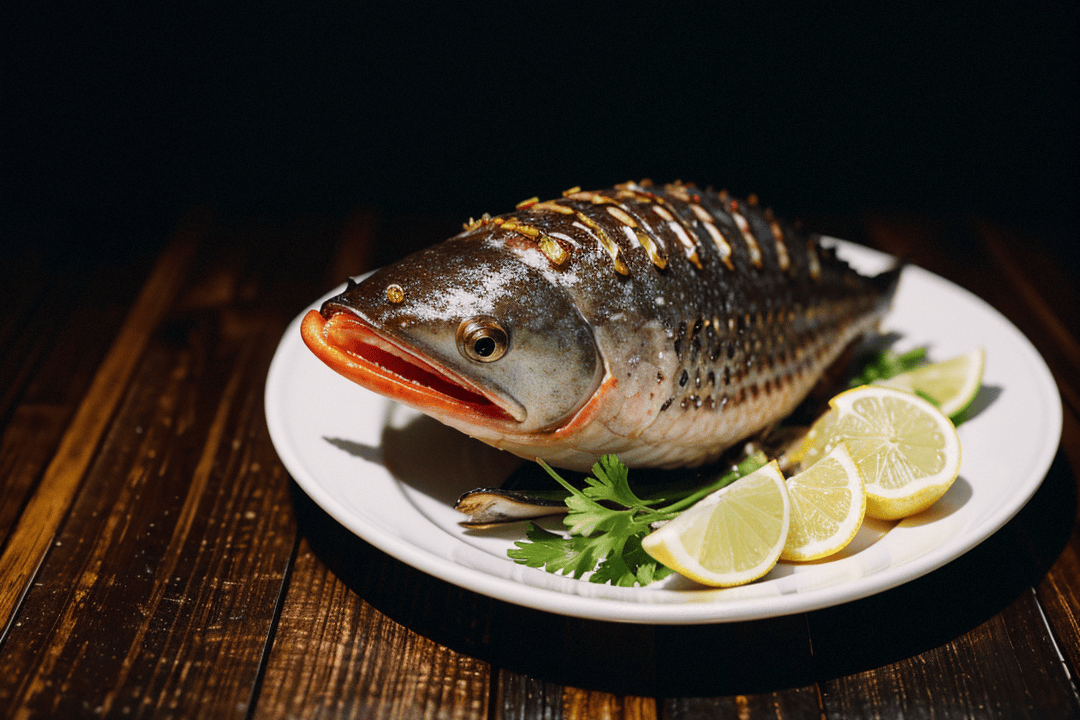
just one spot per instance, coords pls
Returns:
(810, 449)
(952, 383)
(828, 502)
(730, 537)
(906, 449)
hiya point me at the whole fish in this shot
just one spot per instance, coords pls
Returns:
(660, 324)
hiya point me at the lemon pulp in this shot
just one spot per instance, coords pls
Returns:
(952, 383)
(906, 449)
(828, 502)
(730, 537)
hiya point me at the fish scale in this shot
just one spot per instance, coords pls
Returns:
(663, 324)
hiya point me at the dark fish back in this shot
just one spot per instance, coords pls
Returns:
(748, 304)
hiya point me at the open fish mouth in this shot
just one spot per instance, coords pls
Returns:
(356, 350)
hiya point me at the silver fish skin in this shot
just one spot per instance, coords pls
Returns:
(662, 324)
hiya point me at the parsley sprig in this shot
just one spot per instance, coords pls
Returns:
(889, 363)
(606, 522)
(886, 364)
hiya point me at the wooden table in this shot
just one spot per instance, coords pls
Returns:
(158, 561)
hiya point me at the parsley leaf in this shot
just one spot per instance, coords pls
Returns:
(632, 566)
(612, 483)
(554, 552)
(886, 364)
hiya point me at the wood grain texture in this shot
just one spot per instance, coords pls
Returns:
(38, 522)
(1059, 590)
(187, 576)
(160, 593)
(586, 705)
(1036, 290)
(52, 348)
(519, 697)
(1033, 293)
(1001, 669)
(177, 568)
(793, 704)
(334, 656)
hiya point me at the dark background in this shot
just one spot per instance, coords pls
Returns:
(118, 119)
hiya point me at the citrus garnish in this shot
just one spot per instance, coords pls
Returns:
(730, 537)
(906, 449)
(952, 383)
(809, 450)
(827, 507)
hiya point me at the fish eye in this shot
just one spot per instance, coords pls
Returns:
(482, 339)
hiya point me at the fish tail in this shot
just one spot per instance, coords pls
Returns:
(885, 283)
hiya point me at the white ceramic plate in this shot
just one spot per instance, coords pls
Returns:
(391, 476)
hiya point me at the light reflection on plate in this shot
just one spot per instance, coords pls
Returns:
(391, 476)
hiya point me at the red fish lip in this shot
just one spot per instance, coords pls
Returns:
(356, 350)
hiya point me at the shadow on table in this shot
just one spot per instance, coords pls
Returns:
(720, 659)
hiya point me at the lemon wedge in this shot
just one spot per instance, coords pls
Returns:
(906, 449)
(828, 502)
(952, 383)
(730, 537)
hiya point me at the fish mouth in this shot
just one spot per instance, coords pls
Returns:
(354, 349)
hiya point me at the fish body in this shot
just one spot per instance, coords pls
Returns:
(662, 324)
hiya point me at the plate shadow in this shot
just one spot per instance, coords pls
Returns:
(716, 659)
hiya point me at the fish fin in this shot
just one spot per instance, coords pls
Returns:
(886, 282)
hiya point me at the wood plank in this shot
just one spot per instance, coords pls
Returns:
(60, 342)
(1059, 599)
(166, 563)
(336, 656)
(480, 634)
(544, 664)
(977, 675)
(587, 705)
(797, 703)
(25, 449)
(160, 594)
(1059, 591)
(38, 522)
(519, 697)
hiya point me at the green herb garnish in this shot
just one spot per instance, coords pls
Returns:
(606, 523)
(886, 364)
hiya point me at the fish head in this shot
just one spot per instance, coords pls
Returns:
(468, 334)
